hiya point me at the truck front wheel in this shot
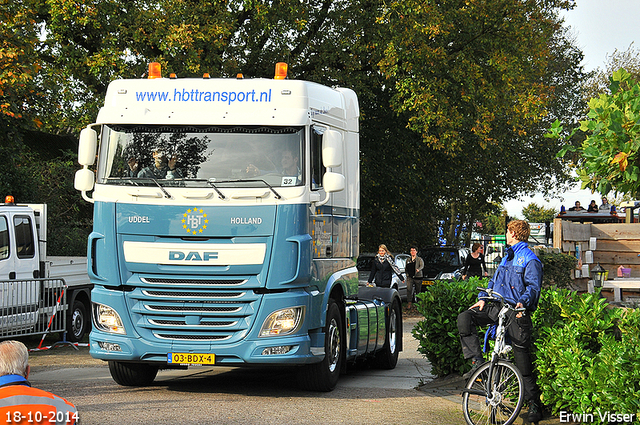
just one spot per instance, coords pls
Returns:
(324, 376)
(133, 374)
(77, 322)
(387, 358)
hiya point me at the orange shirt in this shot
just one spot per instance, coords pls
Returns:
(21, 404)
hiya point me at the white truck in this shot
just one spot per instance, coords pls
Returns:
(28, 287)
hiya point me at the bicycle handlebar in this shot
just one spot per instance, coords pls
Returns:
(495, 296)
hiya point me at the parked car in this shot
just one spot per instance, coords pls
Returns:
(442, 263)
(494, 253)
(364, 269)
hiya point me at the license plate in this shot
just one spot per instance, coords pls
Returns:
(191, 358)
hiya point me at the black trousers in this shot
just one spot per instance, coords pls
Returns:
(519, 331)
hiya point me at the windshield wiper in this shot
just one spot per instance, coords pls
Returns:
(211, 183)
(166, 194)
(276, 194)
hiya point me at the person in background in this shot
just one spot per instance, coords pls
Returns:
(413, 269)
(593, 207)
(518, 279)
(19, 402)
(474, 264)
(605, 206)
(576, 207)
(381, 268)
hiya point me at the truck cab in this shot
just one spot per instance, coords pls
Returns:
(19, 254)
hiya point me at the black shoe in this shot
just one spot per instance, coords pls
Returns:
(475, 364)
(535, 412)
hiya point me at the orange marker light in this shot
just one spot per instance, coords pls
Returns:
(206, 76)
(281, 71)
(155, 70)
(239, 76)
(9, 199)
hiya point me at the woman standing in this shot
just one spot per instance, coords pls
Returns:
(381, 268)
(474, 264)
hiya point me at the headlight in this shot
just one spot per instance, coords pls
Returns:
(106, 319)
(446, 276)
(283, 322)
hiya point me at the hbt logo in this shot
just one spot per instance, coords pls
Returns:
(194, 221)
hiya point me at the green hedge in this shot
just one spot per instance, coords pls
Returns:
(437, 335)
(587, 352)
(588, 361)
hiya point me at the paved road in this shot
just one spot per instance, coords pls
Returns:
(251, 395)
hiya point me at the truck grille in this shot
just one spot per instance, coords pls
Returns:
(163, 281)
(198, 313)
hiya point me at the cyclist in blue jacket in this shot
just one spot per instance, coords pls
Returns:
(518, 279)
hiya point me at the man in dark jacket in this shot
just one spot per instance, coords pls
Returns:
(518, 279)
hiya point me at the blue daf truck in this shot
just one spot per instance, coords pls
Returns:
(226, 220)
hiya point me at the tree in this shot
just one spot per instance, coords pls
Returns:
(535, 213)
(609, 157)
(598, 82)
(479, 82)
(482, 84)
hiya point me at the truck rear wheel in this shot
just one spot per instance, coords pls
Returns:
(324, 376)
(387, 358)
(132, 374)
(77, 322)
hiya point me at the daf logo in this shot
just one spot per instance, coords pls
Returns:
(193, 256)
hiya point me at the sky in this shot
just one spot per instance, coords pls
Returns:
(600, 27)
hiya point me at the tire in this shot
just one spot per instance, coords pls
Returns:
(77, 322)
(132, 374)
(387, 358)
(507, 395)
(324, 376)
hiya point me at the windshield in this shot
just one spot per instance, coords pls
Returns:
(201, 156)
(441, 257)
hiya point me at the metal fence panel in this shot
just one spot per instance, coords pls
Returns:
(32, 307)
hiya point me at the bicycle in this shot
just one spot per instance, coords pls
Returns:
(494, 394)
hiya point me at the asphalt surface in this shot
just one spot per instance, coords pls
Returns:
(408, 394)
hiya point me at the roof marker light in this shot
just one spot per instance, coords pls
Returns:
(206, 76)
(172, 76)
(239, 76)
(9, 200)
(281, 71)
(155, 70)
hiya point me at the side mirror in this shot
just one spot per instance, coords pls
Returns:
(331, 149)
(84, 180)
(333, 182)
(87, 147)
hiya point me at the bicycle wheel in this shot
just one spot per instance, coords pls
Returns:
(507, 395)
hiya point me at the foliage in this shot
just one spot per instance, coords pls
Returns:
(535, 213)
(493, 222)
(608, 159)
(437, 334)
(587, 357)
(599, 82)
(69, 216)
(582, 365)
(483, 117)
(557, 267)
(500, 66)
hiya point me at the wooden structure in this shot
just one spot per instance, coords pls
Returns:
(610, 244)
